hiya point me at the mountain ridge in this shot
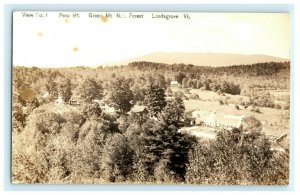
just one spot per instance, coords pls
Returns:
(202, 59)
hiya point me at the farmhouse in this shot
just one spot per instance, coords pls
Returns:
(105, 107)
(74, 101)
(213, 119)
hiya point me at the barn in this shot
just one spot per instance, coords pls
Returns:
(214, 119)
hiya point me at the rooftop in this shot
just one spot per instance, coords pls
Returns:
(137, 108)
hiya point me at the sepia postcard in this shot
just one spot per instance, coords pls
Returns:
(150, 98)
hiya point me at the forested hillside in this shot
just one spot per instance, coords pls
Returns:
(55, 141)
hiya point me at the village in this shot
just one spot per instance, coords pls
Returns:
(199, 118)
(202, 123)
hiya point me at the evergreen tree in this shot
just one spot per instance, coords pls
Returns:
(155, 98)
(161, 143)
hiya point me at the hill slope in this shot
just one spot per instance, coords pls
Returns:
(204, 59)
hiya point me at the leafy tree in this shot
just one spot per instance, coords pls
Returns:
(19, 117)
(31, 147)
(180, 94)
(123, 123)
(213, 86)
(91, 110)
(92, 137)
(65, 90)
(173, 113)
(139, 92)
(117, 160)
(51, 87)
(179, 77)
(189, 82)
(251, 124)
(120, 95)
(199, 84)
(160, 80)
(185, 82)
(88, 90)
(162, 172)
(169, 92)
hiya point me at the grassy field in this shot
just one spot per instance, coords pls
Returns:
(275, 121)
(213, 96)
(278, 93)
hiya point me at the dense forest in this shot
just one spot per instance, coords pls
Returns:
(258, 69)
(61, 143)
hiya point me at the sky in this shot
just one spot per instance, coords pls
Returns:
(54, 41)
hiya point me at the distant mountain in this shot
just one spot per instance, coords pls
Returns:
(203, 59)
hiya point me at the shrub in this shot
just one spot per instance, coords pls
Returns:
(194, 96)
(277, 106)
(169, 92)
(179, 94)
(255, 109)
(262, 100)
(251, 124)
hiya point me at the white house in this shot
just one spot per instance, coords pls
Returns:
(213, 119)
(174, 84)
(108, 109)
(59, 100)
(104, 107)
(203, 118)
(46, 94)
